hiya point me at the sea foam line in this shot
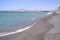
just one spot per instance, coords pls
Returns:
(6, 34)
(49, 13)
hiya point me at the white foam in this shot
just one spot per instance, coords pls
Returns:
(5, 34)
(33, 19)
(49, 13)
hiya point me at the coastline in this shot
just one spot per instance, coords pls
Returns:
(17, 31)
(33, 33)
(25, 10)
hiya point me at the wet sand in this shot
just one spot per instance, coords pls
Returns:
(37, 32)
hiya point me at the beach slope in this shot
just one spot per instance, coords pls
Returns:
(37, 32)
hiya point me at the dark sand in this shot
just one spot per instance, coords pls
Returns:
(37, 32)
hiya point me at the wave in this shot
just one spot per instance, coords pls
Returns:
(17, 31)
(49, 13)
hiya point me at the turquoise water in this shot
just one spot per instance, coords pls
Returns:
(8, 19)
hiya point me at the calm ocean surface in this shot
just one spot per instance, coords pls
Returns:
(9, 19)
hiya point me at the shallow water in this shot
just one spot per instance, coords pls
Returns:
(9, 20)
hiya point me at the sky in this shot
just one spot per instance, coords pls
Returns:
(28, 4)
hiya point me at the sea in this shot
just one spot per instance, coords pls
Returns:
(12, 21)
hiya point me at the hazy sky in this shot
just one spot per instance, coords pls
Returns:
(27, 4)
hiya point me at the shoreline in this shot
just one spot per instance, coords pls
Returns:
(19, 30)
(25, 10)
(16, 27)
(41, 25)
